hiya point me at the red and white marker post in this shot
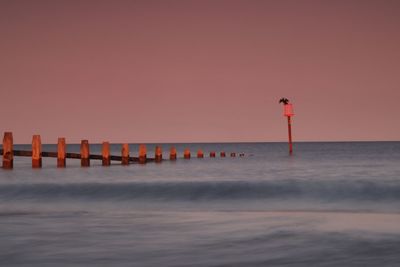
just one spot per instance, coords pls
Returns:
(288, 112)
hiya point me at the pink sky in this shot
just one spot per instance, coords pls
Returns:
(199, 71)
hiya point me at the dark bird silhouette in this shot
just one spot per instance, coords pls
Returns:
(284, 100)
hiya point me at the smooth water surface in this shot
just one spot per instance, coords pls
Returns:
(330, 204)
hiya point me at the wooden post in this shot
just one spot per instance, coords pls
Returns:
(233, 154)
(142, 154)
(172, 153)
(222, 154)
(8, 153)
(105, 154)
(85, 153)
(36, 152)
(61, 152)
(200, 154)
(186, 153)
(212, 154)
(125, 154)
(158, 154)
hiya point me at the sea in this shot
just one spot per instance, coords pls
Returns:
(328, 204)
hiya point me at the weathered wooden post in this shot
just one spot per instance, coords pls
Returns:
(85, 153)
(212, 154)
(186, 153)
(222, 154)
(200, 154)
(105, 154)
(8, 153)
(233, 154)
(142, 154)
(125, 154)
(158, 154)
(36, 151)
(61, 152)
(172, 153)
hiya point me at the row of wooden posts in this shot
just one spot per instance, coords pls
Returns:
(8, 153)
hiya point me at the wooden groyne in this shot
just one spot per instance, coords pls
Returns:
(85, 156)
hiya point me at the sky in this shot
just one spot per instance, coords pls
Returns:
(199, 71)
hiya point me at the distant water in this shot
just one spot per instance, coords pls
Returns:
(330, 204)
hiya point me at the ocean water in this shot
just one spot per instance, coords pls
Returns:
(329, 204)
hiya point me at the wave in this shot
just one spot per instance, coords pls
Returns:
(203, 191)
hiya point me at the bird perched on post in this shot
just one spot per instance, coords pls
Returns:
(284, 100)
